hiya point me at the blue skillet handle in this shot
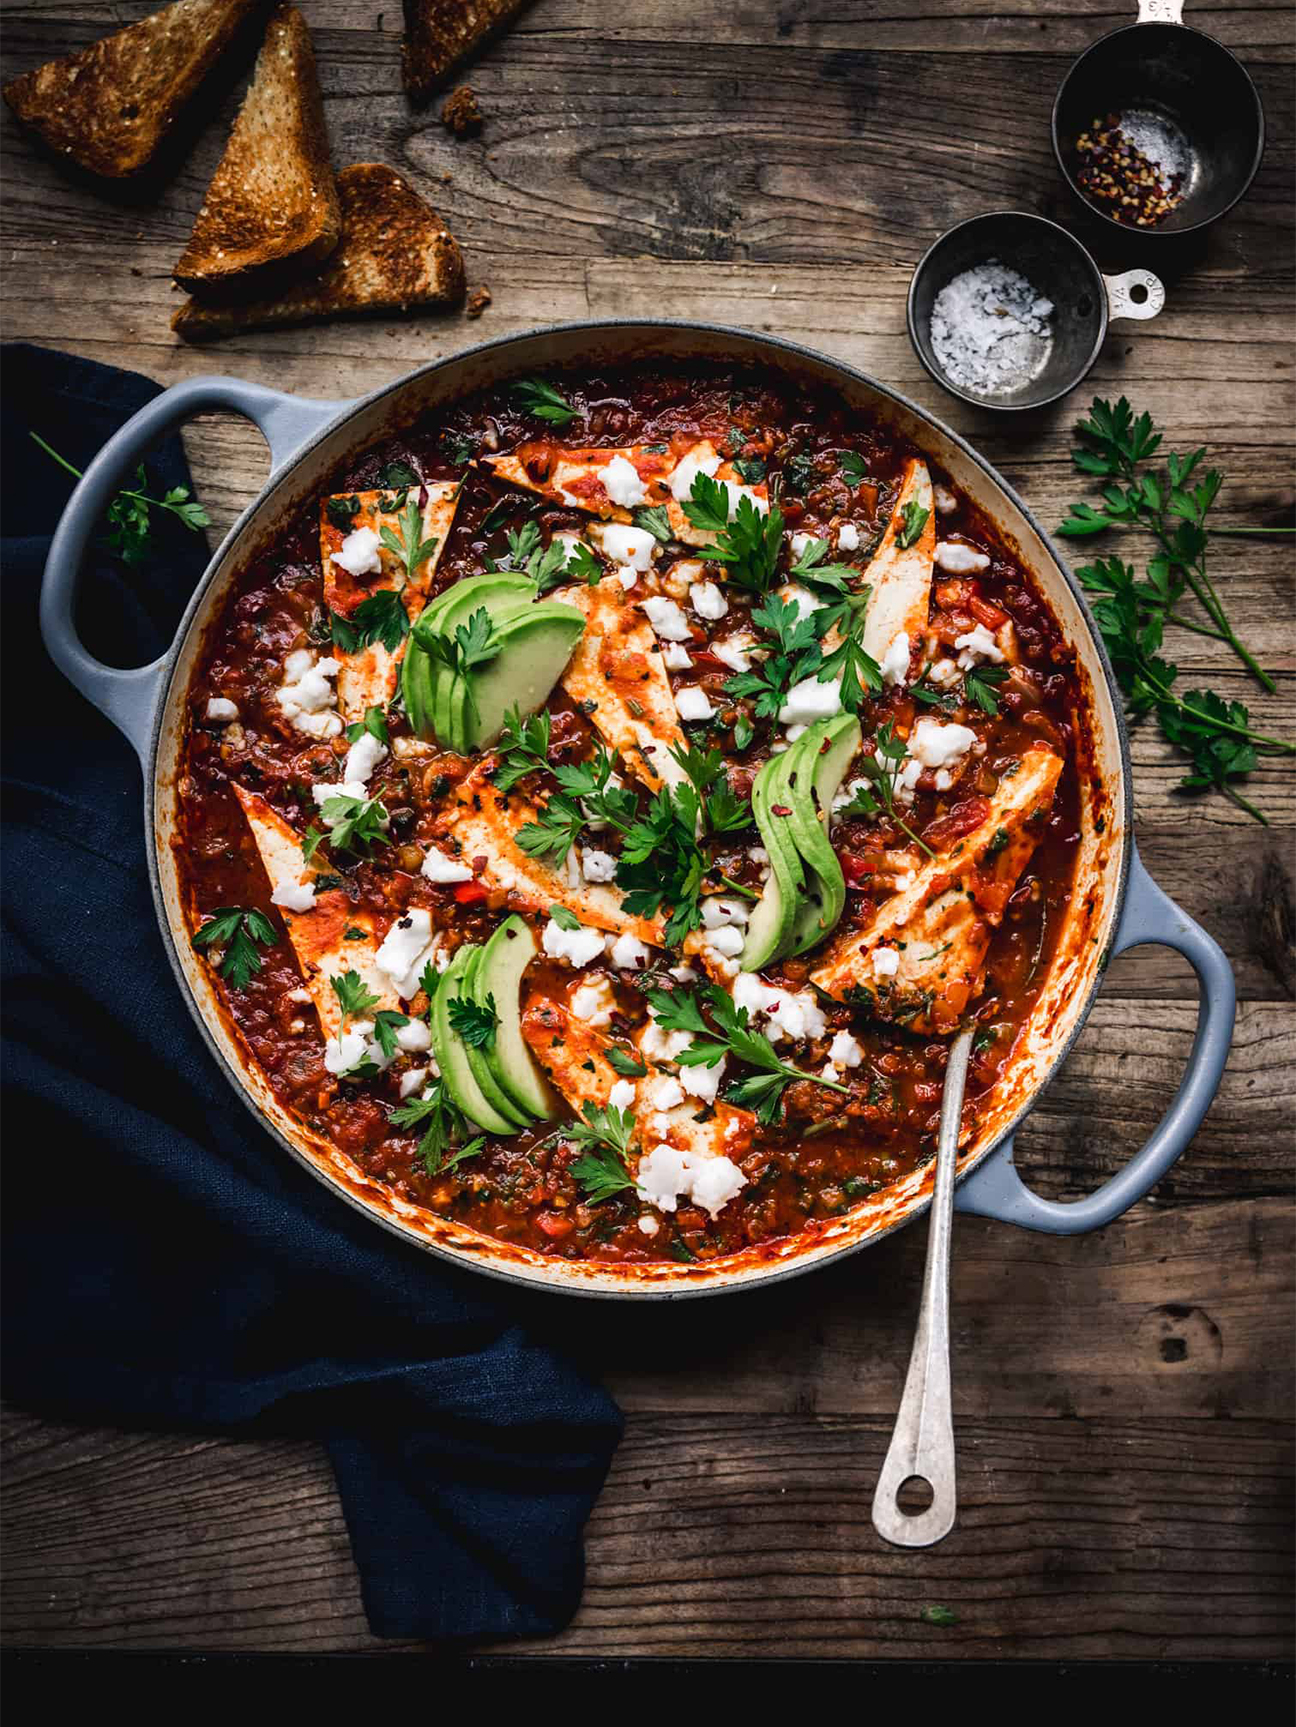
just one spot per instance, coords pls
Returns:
(129, 698)
(996, 1190)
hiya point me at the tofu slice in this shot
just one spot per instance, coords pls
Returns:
(901, 577)
(480, 824)
(575, 479)
(368, 678)
(318, 936)
(618, 661)
(724, 1131)
(940, 927)
(573, 1053)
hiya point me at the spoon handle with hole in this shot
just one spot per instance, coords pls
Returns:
(923, 1441)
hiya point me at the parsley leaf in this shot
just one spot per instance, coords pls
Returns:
(621, 1061)
(913, 519)
(605, 1135)
(386, 1024)
(877, 798)
(811, 569)
(563, 918)
(380, 617)
(445, 1123)
(374, 722)
(130, 536)
(981, 684)
(540, 399)
(475, 1022)
(354, 824)
(654, 520)
(798, 656)
(355, 998)
(858, 670)
(397, 477)
(523, 747)
(749, 545)
(409, 546)
(238, 930)
(853, 467)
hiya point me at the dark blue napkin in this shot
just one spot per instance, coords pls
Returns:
(164, 1262)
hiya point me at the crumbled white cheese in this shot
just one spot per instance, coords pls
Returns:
(681, 481)
(708, 601)
(809, 701)
(944, 674)
(718, 911)
(625, 545)
(343, 1053)
(848, 537)
(306, 697)
(358, 553)
(846, 1051)
(597, 866)
(666, 1176)
(666, 1092)
(758, 854)
(411, 1081)
(795, 732)
(439, 868)
(886, 962)
(675, 658)
(660, 1045)
(667, 619)
(978, 644)
(648, 1224)
(946, 502)
(622, 1095)
(736, 495)
(733, 651)
(363, 757)
(703, 1082)
(628, 576)
(294, 896)
(301, 995)
(628, 953)
(683, 974)
(403, 948)
(681, 576)
(939, 746)
(593, 1003)
(692, 704)
(804, 601)
(221, 708)
(622, 484)
(577, 946)
(794, 1016)
(415, 1037)
(957, 560)
(729, 942)
(801, 543)
(895, 662)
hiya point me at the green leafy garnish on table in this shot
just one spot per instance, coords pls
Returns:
(380, 617)
(731, 1035)
(540, 399)
(237, 929)
(937, 1615)
(605, 1136)
(1171, 506)
(131, 534)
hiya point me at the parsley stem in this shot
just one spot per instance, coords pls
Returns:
(37, 439)
(1274, 746)
(138, 497)
(1209, 600)
(737, 887)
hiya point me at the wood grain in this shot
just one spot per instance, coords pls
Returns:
(1123, 1400)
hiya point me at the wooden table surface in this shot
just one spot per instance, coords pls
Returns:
(1123, 1401)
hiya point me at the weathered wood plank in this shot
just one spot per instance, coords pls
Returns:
(716, 1536)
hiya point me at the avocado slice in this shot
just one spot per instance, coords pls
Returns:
(769, 931)
(504, 958)
(478, 1056)
(534, 648)
(816, 764)
(452, 1052)
(416, 688)
(499, 595)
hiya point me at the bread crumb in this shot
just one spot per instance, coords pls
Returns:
(460, 114)
(478, 301)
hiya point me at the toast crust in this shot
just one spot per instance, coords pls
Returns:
(272, 201)
(441, 33)
(395, 252)
(110, 106)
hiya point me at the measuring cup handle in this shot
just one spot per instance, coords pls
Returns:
(1160, 11)
(1121, 302)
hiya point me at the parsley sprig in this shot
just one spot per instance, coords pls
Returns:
(605, 1135)
(445, 1123)
(849, 661)
(749, 545)
(131, 534)
(409, 545)
(798, 655)
(475, 1022)
(354, 825)
(1172, 507)
(237, 929)
(523, 747)
(374, 722)
(878, 797)
(913, 519)
(730, 1034)
(540, 399)
(548, 565)
(380, 617)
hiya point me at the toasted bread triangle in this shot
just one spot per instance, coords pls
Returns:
(110, 106)
(440, 33)
(395, 252)
(272, 202)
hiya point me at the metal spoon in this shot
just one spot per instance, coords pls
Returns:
(923, 1442)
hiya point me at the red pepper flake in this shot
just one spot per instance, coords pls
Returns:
(780, 810)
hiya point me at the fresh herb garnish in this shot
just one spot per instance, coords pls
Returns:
(409, 545)
(523, 747)
(237, 929)
(342, 512)
(799, 655)
(622, 1062)
(1217, 736)
(540, 399)
(130, 537)
(751, 470)
(355, 998)
(749, 545)
(387, 1023)
(563, 918)
(731, 1035)
(354, 824)
(811, 569)
(799, 474)
(913, 519)
(474, 1021)
(473, 644)
(940, 1616)
(374, 722)
(853, 467)
(445, 1123)
(858, 670)
(981, 686)
(605, 1135)
(880, 768)
(380, 617)
(654, 520)
(398, 477)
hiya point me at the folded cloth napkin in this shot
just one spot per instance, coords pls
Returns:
(164, 1262)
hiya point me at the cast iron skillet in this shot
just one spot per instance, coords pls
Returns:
(1116, 905)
